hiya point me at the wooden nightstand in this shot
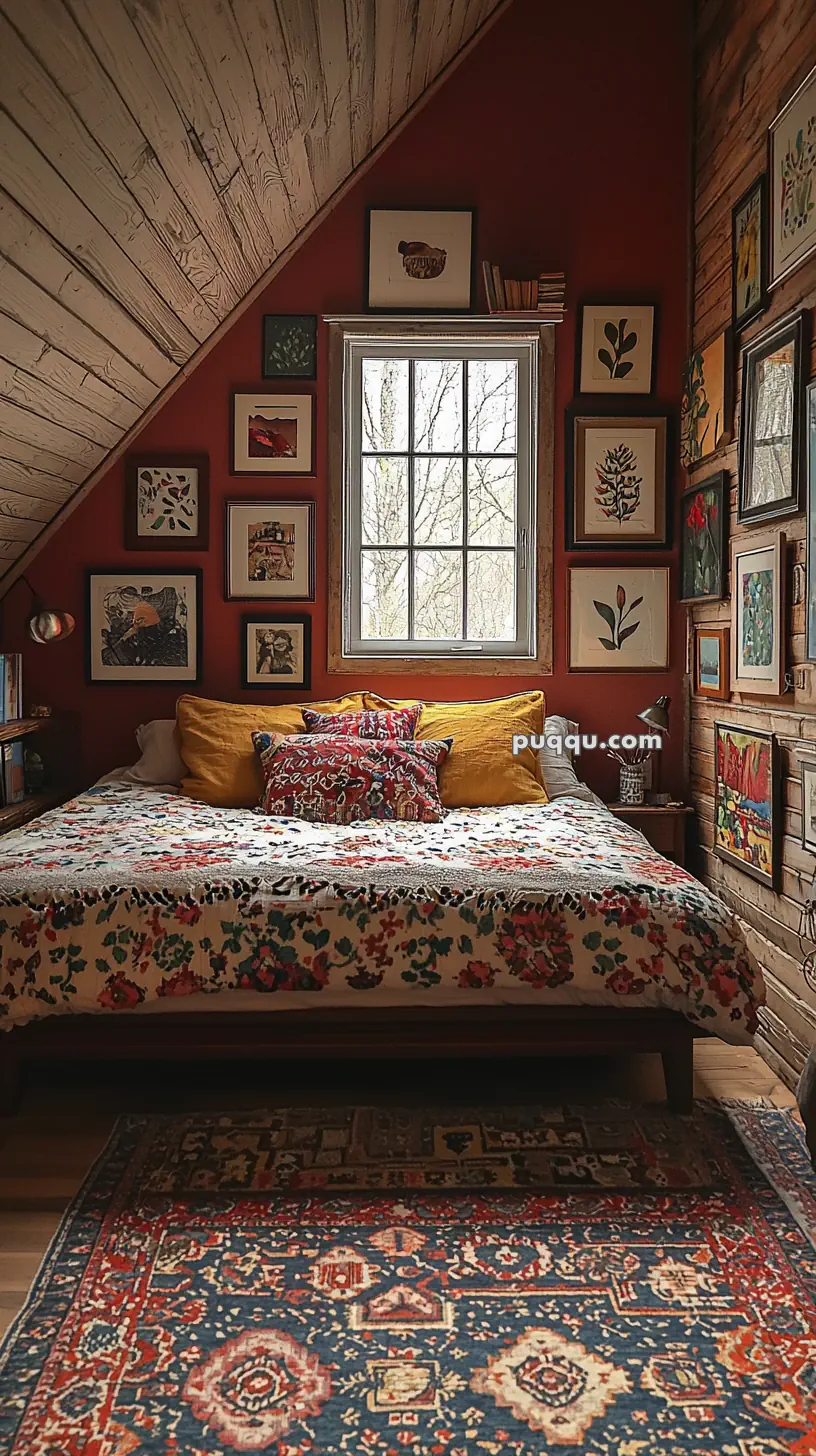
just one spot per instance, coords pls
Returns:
(664, 827)
(57, 742)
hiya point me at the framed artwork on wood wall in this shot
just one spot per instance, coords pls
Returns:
(747, 821)
(289, 346)
(616, 348)
(277, 652)
(758, 614)
(703, 526)
(749, 254)
(808, 772)
(618, 619)
(792, 168)
(772, 411)
(420, 261)
(270, 550)
(616, 481)
(810, 428)
(712, 662)
(273, 434)
(167, 502)
(707, 410)
(143, 627)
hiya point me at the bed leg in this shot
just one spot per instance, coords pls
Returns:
(9, 1076)
(678, 1072)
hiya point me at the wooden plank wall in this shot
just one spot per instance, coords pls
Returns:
(155, 160)
(749, 56)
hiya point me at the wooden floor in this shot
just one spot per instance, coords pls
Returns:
(67, 1113)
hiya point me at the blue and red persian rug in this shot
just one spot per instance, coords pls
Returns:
(179, 1313)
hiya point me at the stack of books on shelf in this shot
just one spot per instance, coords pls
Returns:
(543, 296)
(11, 686)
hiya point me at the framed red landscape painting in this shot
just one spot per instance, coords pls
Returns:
(746, 801)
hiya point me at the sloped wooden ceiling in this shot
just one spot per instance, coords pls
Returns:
(156, 157)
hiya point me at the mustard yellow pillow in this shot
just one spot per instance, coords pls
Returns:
(216, 744)
(481, 768)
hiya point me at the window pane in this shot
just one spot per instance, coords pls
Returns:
(491, 596)
(492, 406)
(385, 404)
(438, 502)
(492, 502)
(384, 484)
(438, 594)
(384, 594)
(438, 404)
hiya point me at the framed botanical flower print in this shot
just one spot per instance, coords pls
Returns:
(792, 167)
(616, 348)
(703, 520)
(749, 254)
(616, 481)
(758, 614)
(707, 409)
(810, 429)
(618, 619)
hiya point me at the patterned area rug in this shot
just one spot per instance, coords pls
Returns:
(669, 1323)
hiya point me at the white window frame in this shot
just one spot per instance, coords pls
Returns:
(351, 341)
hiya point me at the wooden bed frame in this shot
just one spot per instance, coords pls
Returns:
(523, 1031)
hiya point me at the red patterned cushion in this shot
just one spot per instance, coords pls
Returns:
(340, 780)
(373, 723)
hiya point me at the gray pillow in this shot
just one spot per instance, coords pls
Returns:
(557, 769)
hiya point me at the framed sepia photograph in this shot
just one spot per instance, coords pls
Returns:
(420, 261)
(703, 529)
(289, 346)
(712, 662)
(792, 168)
(771, 425)
(616, 468)
(167, 502)
(270, 550)
(273, 434)
(616, 348)
(277, 652)
(707, 408)
(618, 618)
(749, 254)
(143, 627)
(758, 614)
(747, 824)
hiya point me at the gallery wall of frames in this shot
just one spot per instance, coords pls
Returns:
(748, 513)
(212, 537)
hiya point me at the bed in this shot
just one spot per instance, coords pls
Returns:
(137, 922)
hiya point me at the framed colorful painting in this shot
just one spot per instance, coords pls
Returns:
(810, 428)
(277, 652)
(771, 433)
(707, 410)
(270, 550)
(143, 627)
(618, 619)
(420, 261)
(749, 254)
(273, 434)
(711, 662)
(746, 801)
(616, 348)
(792, 167)
(289, 346)
(616, 481)
(758, 614)
(167, 502)
(703, 522)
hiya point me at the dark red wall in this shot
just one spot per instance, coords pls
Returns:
(567, 130)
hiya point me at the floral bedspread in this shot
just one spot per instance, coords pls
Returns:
(127, 896)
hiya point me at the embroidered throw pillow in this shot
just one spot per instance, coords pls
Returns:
(332, 779)
(371, 723)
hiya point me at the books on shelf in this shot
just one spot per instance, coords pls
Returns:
(11, 686)
(13, 772)
(543, 295)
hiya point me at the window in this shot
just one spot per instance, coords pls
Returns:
(438, 496)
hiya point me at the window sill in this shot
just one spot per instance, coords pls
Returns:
(462, 665)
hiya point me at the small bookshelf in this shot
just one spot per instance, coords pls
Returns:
(57, 743)
(538, 299)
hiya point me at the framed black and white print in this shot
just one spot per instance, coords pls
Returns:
(143, 627)
(273, 434)
(771, 433)
(749, 254)
(289, 346)
(792, 168)
(810, 428)
(167, 502)
(277, 651)
(420, 261)
(270, 550)
(616, 348)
